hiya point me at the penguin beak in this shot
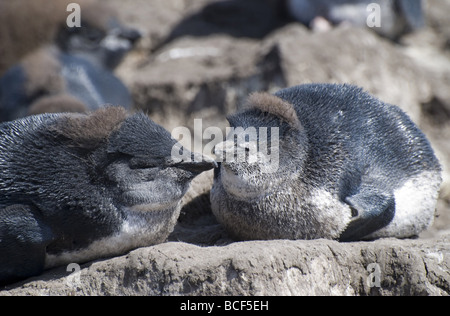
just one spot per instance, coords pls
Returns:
(197, 164)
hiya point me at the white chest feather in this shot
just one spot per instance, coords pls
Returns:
(415, 205)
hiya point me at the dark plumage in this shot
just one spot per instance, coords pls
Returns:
(350, 167)
(77, 187)
(75, 63)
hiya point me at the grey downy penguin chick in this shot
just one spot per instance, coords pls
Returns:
(349, 167)
(78, 187)
(397, 17)
(77, 63)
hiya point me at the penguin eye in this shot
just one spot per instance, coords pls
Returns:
(143, 163)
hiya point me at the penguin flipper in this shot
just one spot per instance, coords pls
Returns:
(374, 210)
(23, 242)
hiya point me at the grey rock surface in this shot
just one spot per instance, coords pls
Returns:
(280, 267)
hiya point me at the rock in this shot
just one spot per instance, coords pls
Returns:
(281, 267)
(352, 55)
(204, 78)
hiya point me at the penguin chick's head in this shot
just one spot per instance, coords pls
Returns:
(131, 157)
(262, 148)
(101, 38)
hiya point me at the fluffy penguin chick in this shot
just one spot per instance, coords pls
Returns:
(79, 187)
(341, 165)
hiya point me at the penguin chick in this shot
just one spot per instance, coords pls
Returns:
(348, 167)
(397, 17)
(78, 187)
(80, 64)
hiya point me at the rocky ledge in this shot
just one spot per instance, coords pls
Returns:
(281, 267)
